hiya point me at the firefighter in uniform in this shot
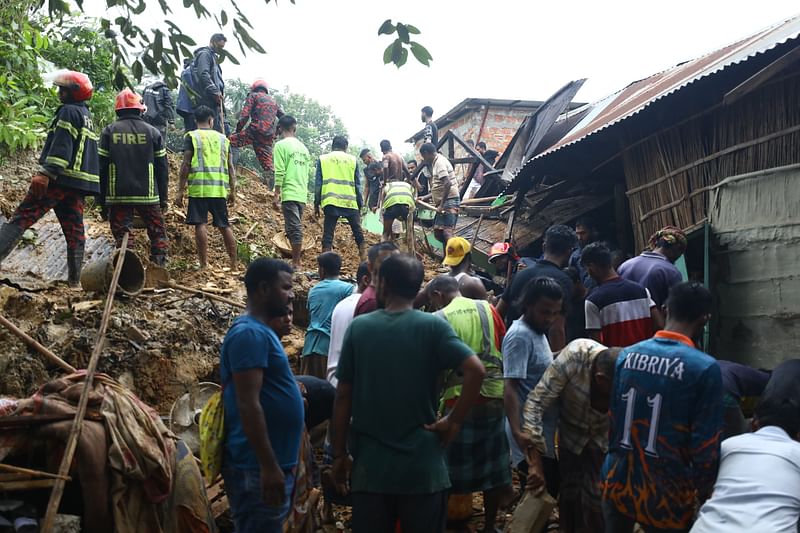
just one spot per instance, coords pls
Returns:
(398, 201)
(262, 112)
(68, 171)
(133, 175)
(338, 192)
(209, 171)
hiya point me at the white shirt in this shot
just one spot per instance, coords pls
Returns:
(758, 486)
(340, 320)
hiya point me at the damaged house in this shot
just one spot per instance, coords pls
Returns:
(709, 146)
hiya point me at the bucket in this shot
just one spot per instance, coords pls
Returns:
(96, 276)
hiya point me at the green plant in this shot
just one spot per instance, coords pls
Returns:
(25, 103)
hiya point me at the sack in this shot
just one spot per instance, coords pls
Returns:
(212, 437)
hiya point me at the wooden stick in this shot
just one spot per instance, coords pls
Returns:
(36, 473)
(472, 201)
(475, 235)
(246, 235)
(426, 205)
(234, 303)
(77, 424)
(30, 341)
(31, 484)
(410, 236)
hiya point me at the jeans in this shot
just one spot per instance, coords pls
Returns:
(250, 515)
(617, 522)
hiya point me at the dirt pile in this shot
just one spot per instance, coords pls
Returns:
(163, 341)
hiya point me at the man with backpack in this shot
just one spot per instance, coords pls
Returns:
(202, 84)
(260, 114)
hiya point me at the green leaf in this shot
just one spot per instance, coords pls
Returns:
(251, 43)
(412, 29)
(158, 47)
(224, 16)
(227, 55)
(387, 28)
(397, 48)
(136, 68)
(402, 33)
(403, 57)
(387, 54)
(421, 53)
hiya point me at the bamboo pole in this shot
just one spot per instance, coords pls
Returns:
(77, 424)
(426, 205)
(473, 201)
(27, 471)
(475, 235)
(208, 295)
(30, 341)
(246, 235)
(31, 484)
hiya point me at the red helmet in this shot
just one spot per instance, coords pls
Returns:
(259, 84)
(500, 249)
(78, 83)
(127, 99)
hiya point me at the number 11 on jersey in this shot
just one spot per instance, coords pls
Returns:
(654, 403)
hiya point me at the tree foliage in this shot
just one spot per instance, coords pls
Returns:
(25, 101)
(161, 50)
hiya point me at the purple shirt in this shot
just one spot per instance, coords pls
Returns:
(654, 272)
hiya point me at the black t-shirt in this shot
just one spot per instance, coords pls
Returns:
(539, 269)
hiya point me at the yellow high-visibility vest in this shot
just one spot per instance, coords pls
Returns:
(208, 171)
(398, 192)
(338, 180)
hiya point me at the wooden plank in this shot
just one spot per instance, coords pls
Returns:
(31, 484)
(29, 472)
(761, 77)
(77, 425)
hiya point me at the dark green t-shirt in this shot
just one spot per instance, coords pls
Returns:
(394, 362)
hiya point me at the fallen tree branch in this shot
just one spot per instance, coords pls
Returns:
(208, 295)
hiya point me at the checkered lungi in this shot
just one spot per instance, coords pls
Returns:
(580, 493)
(479, 455)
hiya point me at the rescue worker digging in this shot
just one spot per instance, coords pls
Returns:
(133, 175)
(397, 200)
(68, 170)
(208, 168)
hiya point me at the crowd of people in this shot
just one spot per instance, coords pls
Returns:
(623, 422)
(585, 376)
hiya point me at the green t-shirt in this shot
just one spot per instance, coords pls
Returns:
(394, 362)
(292, 169)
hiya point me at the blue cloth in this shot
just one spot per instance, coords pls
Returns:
(526, 356)
(654, 272)
(322, 299)
(250, 515)
(251, 344)
(664, 436)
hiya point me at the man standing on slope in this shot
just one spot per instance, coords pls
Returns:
(68, 171)
(263, 112)
(292, 169)
(338, 193)
(133, 175)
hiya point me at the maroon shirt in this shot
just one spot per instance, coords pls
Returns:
(367, 303)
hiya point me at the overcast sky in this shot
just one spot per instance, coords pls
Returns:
(517, 49)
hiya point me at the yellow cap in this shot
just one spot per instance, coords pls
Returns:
(456, 249)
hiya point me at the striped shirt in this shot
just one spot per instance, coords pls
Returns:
(620, 310)
(567, 383)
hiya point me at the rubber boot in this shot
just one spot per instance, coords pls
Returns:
(74, 263)
(10, 234)
(362, 252)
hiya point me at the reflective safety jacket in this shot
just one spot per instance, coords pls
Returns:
(133, 164)
(208, 171)
(398, 192)
(338, 180)
(474, 323)
(69, 155)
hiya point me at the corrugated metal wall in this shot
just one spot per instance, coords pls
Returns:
(756, 223)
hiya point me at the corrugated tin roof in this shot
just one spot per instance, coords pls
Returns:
(640, 94)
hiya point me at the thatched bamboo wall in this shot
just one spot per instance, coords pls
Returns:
(668, 174)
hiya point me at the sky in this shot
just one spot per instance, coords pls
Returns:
(511, 49)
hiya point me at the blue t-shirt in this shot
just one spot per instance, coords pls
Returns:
(654, 272)
(664, 435)
(251, 344)
(526, 356)
(322, 299)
